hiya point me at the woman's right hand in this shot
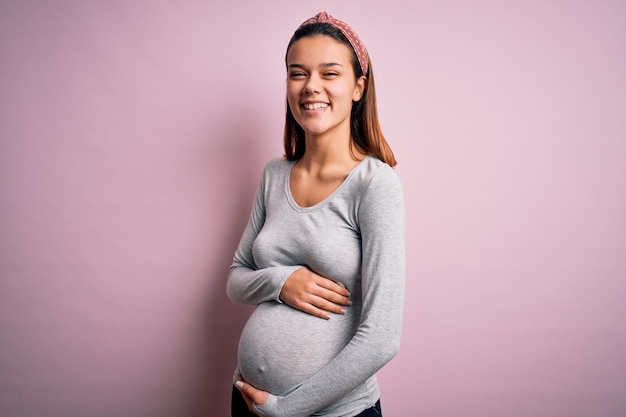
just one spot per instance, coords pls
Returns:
(314, 294)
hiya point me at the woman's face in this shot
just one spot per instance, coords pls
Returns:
(321, 85)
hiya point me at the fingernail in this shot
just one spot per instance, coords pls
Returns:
(343, 311)
(239, 384)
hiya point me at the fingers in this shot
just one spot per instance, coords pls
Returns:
(242, 387)
(319, 306)
(315, 294)
(339, 293)
(251, 394)
(314, 311)
(333, 296)
(322, 303)
(330, 296)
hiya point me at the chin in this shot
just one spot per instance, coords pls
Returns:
(312, 130)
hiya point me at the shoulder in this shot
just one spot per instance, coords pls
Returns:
(277, 166)
(376, 175)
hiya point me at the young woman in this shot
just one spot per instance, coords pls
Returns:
(322, 255)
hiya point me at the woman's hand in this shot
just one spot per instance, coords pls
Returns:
(314, 294)
(251, 395)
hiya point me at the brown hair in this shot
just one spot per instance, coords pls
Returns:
(365, 129)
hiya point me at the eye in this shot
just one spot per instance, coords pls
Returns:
(330, 74)
(297, 75)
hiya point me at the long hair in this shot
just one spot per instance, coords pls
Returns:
(365, 129)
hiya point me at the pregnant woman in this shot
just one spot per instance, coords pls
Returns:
(322, 256)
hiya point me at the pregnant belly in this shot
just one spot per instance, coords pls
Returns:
(280, 347)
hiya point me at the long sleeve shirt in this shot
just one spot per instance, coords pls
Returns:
(355, 237)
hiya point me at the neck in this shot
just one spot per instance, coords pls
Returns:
(324, 152)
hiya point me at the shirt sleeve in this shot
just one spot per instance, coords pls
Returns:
(381, 218)
(246, 283)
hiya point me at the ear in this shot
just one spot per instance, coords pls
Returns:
(359, 88)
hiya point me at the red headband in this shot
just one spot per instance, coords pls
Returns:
(348, 32)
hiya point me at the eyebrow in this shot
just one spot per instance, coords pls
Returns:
(325, 65)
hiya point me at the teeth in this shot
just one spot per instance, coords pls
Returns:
(315, 106)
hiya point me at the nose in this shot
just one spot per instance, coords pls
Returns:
(312, 85)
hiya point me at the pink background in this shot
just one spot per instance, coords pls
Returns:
(132, 136)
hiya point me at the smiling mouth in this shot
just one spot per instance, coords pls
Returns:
(315, 106)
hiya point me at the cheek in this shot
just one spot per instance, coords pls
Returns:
(345, 91)
(292, 102)
(293, 96)
(343, 97)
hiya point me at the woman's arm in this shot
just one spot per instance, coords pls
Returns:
(246, 283)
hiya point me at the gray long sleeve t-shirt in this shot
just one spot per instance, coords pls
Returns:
(355, 237)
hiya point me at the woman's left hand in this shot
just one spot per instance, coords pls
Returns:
(251, 395)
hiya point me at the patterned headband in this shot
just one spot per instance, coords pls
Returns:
(348, 32)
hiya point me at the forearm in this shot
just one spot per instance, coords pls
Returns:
(255, 286)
